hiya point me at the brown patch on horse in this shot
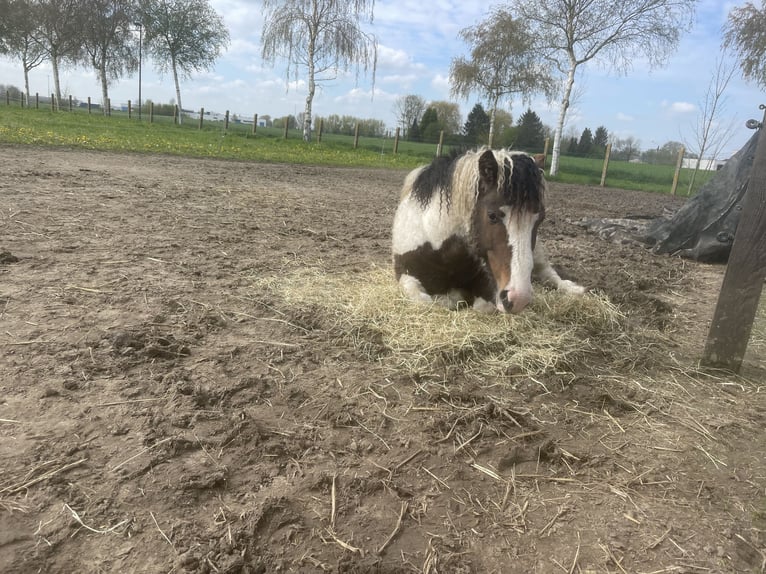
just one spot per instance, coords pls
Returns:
(454, 265)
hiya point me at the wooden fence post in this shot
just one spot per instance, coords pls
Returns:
(319, 131)
(396, 142)
(37, 100)
(439, 146)
(70, 102)
(88, 105)
(679, 162)
(255, 122)
(356, 135)
(287, 123)
(745, 272)
(226, 121)
(607, 153)
(151, 112)
(130, 110)
(108, 110)
(7, 98)
(53, 102)
(175, 113)
(201, 115)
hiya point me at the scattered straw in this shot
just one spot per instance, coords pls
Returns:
(368, 309)
(96, 530)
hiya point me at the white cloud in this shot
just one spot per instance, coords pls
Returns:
(624, 117)
(679, 107)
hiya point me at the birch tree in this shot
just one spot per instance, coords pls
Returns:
(108, 41)
(182, 36)
(745, 32)
(59, 26)
(503, 63)
(571, 33)
(322, 37)
(19, 36)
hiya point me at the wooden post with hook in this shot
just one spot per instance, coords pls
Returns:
(745, 272)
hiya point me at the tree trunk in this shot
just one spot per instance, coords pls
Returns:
(104, 84)
(694, 174)
(25, 64)
(562, 118)
(56, 82)
(178, 92)
(312, 91)
(307, 109)
(492, 114)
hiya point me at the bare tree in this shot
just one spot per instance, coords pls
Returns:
(502, 63)
(745, 32)
(408, 109)
(108, 41)
(183, 36)
(59, 27)
(573, 32)
(19, 35)
(710, 133)
(626, 148)
(323, 36)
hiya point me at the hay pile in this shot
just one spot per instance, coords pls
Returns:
(556, 333)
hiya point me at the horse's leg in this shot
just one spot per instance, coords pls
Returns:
(546, 274)
(484, 306)
(413, 289)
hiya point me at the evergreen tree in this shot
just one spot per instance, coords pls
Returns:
(413, 134)
(429, 126)
(571, 146)
(531, 132)
(476, 128)
(585, 144)
(600, 139)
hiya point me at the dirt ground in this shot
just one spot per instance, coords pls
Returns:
(159, 413)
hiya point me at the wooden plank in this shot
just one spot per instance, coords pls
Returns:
(745, 272)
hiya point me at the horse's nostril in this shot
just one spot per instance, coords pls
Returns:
(507, 304)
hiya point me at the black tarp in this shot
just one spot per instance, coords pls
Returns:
(703, 228)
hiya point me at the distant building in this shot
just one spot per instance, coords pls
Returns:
(706, 164)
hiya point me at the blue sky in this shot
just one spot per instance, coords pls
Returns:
(417, 41)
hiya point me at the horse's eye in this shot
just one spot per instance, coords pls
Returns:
(493, 217)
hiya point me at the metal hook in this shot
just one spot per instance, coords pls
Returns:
(755, 124)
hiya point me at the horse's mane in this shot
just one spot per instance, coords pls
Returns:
(455, 178)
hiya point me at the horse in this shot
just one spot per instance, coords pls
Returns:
(465, 232)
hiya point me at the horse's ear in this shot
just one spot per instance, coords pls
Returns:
(488, 168)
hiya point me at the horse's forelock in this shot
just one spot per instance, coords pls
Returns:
(522, 183)
(455, 178)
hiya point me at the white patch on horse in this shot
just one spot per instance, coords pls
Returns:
(415, 226)
(518, 291)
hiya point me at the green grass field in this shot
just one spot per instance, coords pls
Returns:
(79, 129)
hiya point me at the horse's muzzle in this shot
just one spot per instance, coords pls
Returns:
(511, 303)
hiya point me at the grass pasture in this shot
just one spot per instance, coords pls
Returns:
(94, 131)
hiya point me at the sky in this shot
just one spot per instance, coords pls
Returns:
(417, 42)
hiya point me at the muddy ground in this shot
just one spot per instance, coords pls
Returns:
(159, 413)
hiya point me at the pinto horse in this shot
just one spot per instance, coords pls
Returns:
(465, 232)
